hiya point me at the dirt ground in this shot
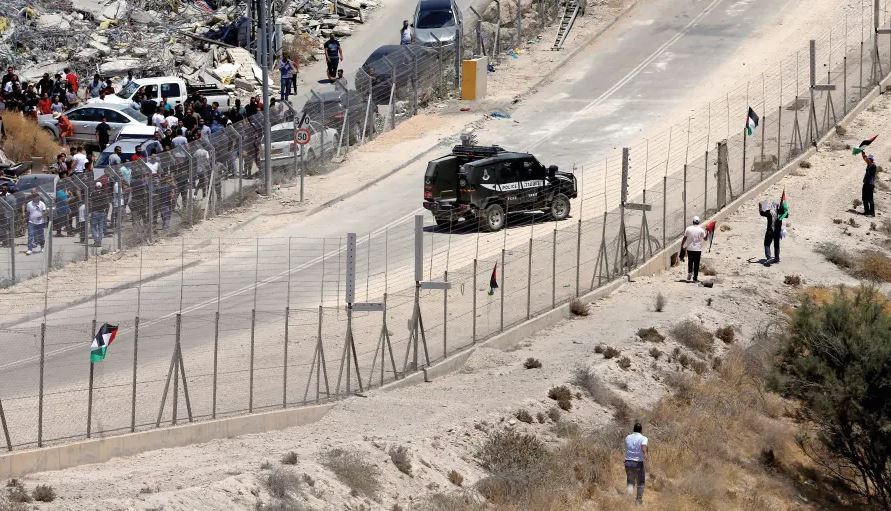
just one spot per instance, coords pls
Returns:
(443, 423)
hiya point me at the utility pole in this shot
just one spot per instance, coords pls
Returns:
(264, 65)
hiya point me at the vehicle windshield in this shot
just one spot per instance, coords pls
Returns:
(128, 90)
(435, 19)
(135, 114)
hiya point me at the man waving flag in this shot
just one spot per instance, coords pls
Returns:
(104, 337)
(862, 147)
(751, 122)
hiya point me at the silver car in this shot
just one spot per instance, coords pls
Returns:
(85, 118)
(437, 19)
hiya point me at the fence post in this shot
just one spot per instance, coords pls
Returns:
(49, 232)
(216, 346)
(473, 332)
(705, 195)
(90, 392)
(578, 258)
(87, 220)
(529, 283)
(439, 58)
(5, 428)
(176, 355)
(459, 52)
(503, 283)
(554, 271)
(519, 22)
(685, 193)
(845, 81)
(445, 317)
(151, 201)
(664, 206)
(285, 366)
(779, 137)
(133, 383)
(745, 144)
(40, 398)
(12, 214)
(251, 383)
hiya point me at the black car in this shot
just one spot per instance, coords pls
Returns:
(485, 183)
(399, 64)
(329, 109)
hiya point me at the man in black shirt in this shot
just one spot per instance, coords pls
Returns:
(869, 185)
(10, 74)
(45, 85)
(333, 56)
(103, 133)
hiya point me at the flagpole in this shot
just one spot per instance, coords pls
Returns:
(745, 140)
(90, 394)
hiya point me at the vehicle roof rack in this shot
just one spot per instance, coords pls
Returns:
(477, 151)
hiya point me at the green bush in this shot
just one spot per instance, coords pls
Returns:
(835, 360)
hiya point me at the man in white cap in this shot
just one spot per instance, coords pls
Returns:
(869, 185)
(694, 236)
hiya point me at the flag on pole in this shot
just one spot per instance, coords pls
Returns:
(783, 212)
(493, 281)
(104, 337)
(751, 122)
(861, 148)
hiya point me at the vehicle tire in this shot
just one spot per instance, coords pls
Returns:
(492, 218)
(559, 207)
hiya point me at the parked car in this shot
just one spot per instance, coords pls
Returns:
(128, 149)
(329, 108)
(283, 148)
(133, 132)
(396, 62)
(437, 19)
(85, 118)
(174, 89)
(476, 183)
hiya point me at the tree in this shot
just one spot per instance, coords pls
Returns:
(835, 360)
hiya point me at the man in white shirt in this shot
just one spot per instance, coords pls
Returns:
(694, 236)
(35, 211)
(158, 121)
(79, 159)
(635, 456)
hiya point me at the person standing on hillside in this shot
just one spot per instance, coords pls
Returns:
(635, 456)
(286, 68)
(869, 185)
(333, 55)
(694, 236)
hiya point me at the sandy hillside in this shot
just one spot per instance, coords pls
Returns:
(443, 423)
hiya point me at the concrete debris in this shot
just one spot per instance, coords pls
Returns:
(204, 41)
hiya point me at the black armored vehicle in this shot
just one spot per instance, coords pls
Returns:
(485, 183)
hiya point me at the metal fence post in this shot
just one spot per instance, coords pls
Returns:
(685, 193)
(135, 366)
(11, 239)
(779, 136)
(705, 188)
(151, 202)
(49, 231)
(529, 283)
(285, 365)
(216, 350)
(414, 83)
(90, 393)
(473, 331)
(439, 56)
(40, 397)
(578, 258)
(251, 374)
(87, 223)
(501, 291)
(554, 271)
(664, 205)
(445, 317)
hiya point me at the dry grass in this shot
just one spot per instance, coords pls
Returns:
(650, 335)
(456, 478)
(400, 457)
(281, 482)
(523, 416)
(624, 363)
(290, 459)
(611, 352)
(655, 352)
(661, 301)
(874, 266)
(835, 254)
(726, 334)
(579, 308)
(532, 363)
(585, 379)
(554, 414)
(693, 335)
(16, 493)
(352, 470)
(792, 280)
(24, 140)
(541, 417)
(44, 493)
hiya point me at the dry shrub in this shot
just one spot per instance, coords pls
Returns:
(585, 379)
(804, 164)
(579, 308)
(835, 254)
(599, 348)
(560, 393)
(661, 301)
(792, 280)
(511, 452)
(523, 416)
(611, 352)
(853, 223)
(541, 417)
(655, 352)
(15, 492)
(532, 363)
(352, 470)
(289, 459)
(44, 493)
(566, 429)
(856, 203)
(873, 266)
(554, 414)
(624, 363)
(25, 139)
(698, 366)
(399, 456)
(650, 335)
(693, 335)
(726, 334)
(565, 405)
(280, 482)
(684, 360)
(265, 465)
(456, 478)
(460, 501)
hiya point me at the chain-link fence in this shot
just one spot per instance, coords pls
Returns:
(212, 328)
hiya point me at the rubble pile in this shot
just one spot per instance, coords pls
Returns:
(203, 41)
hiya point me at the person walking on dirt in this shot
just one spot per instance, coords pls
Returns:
(869, 185)
(694, 236)
(333, 55)
(773, 234)
(635, 456)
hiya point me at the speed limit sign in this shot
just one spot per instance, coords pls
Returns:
(302, 136)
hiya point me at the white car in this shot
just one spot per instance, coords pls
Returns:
(283, 148)
(85, 118)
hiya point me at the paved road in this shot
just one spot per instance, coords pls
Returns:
(605, 97)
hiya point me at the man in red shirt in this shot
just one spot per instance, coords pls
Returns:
(45, 104)
(71, 78)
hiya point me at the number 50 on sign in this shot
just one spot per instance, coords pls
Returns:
(302, 136)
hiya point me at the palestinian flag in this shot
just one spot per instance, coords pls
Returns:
(493, 281)
(710, 229)
(783, 211)
(104, 337)
(861, 148)
(751, 122)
